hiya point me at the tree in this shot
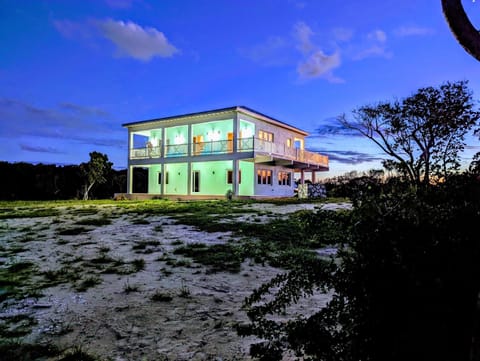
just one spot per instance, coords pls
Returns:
(403, 286)
(461, 27)
(423, 134)
(95, 171)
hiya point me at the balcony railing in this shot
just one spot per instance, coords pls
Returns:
(226, 146)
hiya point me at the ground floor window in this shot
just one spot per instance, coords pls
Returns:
(160, 177)
(196, 181)
(284, 178)
(230, 177)
(264, 176)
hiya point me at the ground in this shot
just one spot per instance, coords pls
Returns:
(135, 280)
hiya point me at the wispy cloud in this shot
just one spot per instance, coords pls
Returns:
(320, 65)
(272, 52)
(133, 40)
(39, 149)
(83, 125)
(119, 4)
(404, 31)
(375, 45)
(342, 34)
(331, 126)
(348, 156)
(316, 63)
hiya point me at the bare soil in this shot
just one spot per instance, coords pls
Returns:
(117, 318)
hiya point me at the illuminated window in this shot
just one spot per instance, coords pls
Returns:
(289, 142)
(284, 178)
(230, 177)
(264, 176)
(265, 135)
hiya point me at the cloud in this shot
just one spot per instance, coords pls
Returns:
(136, 41)
(331, 127)
(270, 53)
(39, 149)
(303, 33)
(375, 45)
(404, 31)
(119, 4)
(72, 29)
(84, 111)
(378, 36)
(85, 125)
(342, 34)
(348, 156)
(318, 65)
(315, 64)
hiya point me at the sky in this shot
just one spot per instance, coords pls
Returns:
(72, 72)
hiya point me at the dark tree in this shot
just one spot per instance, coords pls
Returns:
(95, 171)
(423, 134)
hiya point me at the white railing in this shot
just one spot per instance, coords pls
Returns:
(226, 146)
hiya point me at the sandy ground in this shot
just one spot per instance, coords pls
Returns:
(197, 324)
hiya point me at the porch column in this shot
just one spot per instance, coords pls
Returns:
(189, 178)
(302, 177)
(162, 183)
(313, 177)
(189, 140)
(129, 179)
(235, 177)
(162, 145)
(235, 133)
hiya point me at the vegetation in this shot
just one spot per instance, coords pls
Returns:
(423, 134)
(95, 171)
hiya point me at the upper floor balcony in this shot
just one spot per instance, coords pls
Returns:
(258, 146)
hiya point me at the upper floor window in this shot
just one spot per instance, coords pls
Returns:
(289, 142)
(265, 135)
(264, 176)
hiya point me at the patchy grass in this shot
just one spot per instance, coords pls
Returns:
(72, 231)
(161, 296)
(87, 283)
(98, 222)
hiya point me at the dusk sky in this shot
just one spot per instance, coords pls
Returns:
(72, 72)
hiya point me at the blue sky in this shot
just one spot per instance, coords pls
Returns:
(71, 72)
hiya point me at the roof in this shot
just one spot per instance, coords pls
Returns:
(238, 108)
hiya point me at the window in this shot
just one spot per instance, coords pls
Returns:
(264, 176)
(230, 177)
(196, 181)
(265, 136)
(159, 177)
(289, 142)
(166, 177)
(284, 178)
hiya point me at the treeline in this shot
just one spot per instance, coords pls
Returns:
(26, 181)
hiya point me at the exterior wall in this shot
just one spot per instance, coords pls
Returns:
(153, 185)
(177, 178)
(247, 186)
(274, 189)
(280, 135)
(213, 177)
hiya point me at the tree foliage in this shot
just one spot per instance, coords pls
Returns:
(95, 171)
(404, 284)
(423, 134)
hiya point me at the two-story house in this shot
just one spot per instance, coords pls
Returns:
(206, 154)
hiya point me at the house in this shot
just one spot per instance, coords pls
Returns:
(207, 154)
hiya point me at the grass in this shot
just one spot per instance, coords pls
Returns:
(161, 296)
(103, 221)
(72, 231)
(88, 282)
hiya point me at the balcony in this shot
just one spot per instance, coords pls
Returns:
(257, 146)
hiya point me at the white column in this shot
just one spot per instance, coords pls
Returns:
(235, 177)
(162, 183)
(129, 179)
(235, 133)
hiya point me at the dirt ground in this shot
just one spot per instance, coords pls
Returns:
(117, 318)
